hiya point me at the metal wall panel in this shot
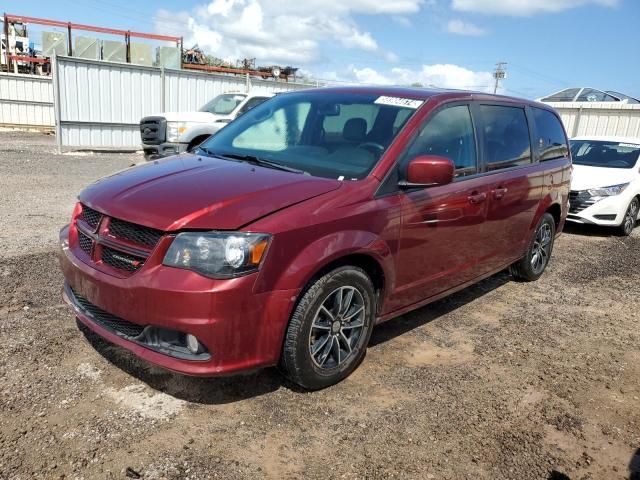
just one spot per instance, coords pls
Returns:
(100, 104)
(26, 101)
(599, 118)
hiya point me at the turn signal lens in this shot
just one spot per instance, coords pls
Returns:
(258, 252)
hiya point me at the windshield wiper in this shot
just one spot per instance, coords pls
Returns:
(210, 153)
(257, 161)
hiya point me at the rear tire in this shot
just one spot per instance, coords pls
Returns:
(329, 330)
(630, 218)
(531, 267)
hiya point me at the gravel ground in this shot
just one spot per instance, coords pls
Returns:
(502, 380)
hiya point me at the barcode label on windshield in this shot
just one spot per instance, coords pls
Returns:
(628, 145)
(399, 102)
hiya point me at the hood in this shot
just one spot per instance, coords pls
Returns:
(196, 117)
(585, 177)
(194, 192)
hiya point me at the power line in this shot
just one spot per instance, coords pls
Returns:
(532, 73)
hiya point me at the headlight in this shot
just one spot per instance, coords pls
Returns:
(218, 254)
(608, 191)
(176, 129)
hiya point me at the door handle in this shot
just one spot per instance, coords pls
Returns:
(499, 193)
(477, 198)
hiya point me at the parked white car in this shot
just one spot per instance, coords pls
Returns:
(175, 132)
(605, 188)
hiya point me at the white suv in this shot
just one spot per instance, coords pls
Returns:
(605, 188)
(171, 133)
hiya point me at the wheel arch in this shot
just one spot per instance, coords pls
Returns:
(198, 139)
(360, 248)
(371, 266)
(556, 212)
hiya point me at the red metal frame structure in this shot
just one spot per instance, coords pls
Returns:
(23, 58)
(235, 71)
(128, 34)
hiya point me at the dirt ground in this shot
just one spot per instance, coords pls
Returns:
(502, 380)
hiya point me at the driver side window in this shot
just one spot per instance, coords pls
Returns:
(449, 133)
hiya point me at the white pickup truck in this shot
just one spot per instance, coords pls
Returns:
(175, 132)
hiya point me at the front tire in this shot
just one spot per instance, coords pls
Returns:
(630, 217)
(535, 261)
(330, 329)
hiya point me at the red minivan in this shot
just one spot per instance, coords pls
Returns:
(283, 239)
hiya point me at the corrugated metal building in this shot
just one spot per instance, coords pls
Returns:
(101, 103)
(26, 101)
(599, 118)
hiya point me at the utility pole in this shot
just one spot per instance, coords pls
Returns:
(500, 73)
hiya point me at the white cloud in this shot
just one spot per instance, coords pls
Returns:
(402, 21)
(280, 31)
(460, 27)
(391, 57)
(438, 75)
(524, 7)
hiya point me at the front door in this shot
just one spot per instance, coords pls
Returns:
(442, 233)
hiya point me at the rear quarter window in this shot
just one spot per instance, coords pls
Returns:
(506, 136)
(551, 141)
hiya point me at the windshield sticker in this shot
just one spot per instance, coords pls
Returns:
(628, 145)
(399, 102)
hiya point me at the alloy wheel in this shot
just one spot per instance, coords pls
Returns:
(631, 216)
(541, 249)
(336, 327)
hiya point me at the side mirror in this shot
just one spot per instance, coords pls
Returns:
(428, 171)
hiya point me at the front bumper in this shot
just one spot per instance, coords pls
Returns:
(166, 149)
(240, 329)
(609, 211)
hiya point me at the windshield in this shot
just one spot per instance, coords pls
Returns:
(331, 135)
(622, 96)
(223, 104)
(604, 154)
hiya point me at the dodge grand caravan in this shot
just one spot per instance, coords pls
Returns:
(286, 237)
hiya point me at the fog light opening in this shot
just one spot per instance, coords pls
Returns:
(193, 344)
(172, 342)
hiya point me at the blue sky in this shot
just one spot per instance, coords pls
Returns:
(548, 44)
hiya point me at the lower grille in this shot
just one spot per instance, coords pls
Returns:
(121, 260)
(579, 200)
(86, 244)
(106, 320)
(610, 217)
